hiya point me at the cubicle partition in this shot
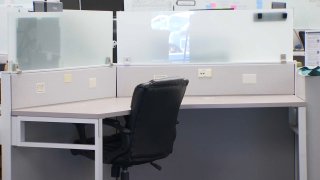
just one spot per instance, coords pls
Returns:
(236, 79)
(246, 52)
(62, 86)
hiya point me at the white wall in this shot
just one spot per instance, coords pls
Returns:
(306, 11)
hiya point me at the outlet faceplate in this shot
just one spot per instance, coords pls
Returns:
(92, 82)
(67, 78)
(40, 87)
(205, 73)
(249, 78)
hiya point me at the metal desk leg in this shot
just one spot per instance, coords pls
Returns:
(302, 123)
(98, 164)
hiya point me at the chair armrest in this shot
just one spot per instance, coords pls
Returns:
(125, 135)
(81, 132)
(116, 124)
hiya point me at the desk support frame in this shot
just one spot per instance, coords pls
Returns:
(302, 129)
(18, 137)
(62, 114)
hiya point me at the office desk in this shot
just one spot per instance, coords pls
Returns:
(93, 111)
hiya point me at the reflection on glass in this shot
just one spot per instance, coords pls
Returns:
(178, 25)
(57, 40)
(202, 37)
(157, 37)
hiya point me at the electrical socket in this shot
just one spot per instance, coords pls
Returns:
(40, 87)
(205, 73)
(67, 78)
(249, 78)
(92, 82)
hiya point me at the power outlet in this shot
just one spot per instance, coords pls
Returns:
(205, 73)
(40, 87)
(67, 78)
(249, 78)
(92, 82)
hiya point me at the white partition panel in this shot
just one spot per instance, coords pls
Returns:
(51, 87)
(254, 36)
(240, 79)
(60, 39)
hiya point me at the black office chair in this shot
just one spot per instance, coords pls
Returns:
(149, 131)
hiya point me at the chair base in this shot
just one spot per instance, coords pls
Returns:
(124, 175)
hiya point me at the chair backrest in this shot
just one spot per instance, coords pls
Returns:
(154, 111)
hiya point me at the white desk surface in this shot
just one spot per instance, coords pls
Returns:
(111, 107)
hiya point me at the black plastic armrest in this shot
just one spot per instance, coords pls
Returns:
(124, 148)
(116, 124)
(110, 122)
(81, 132)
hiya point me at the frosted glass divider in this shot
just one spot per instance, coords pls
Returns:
(3, 30)
(238, 36)
(60, 39)
(204, 37)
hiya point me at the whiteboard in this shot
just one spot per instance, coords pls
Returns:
(148, 5)
(217, 4)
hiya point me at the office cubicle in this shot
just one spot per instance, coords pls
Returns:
(213, 123)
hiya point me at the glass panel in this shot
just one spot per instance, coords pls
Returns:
(3, 30)
(57, 40)
(152, 36)
(204, 37)
(238, 36)
(27, 4)
(306, 13)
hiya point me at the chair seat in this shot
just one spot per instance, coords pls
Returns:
(113, 144)
(110, 144)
